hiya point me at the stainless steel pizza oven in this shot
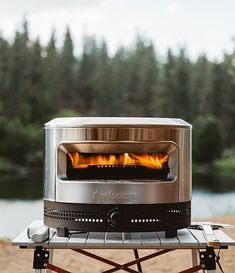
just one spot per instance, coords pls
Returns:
(117, 174)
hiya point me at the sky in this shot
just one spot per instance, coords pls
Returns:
(202, 26)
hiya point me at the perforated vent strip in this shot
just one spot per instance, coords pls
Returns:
(98, 217)
(78, 216)
(145, 220)
(141, 217)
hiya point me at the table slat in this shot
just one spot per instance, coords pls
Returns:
(224, 238)
(95, 239)
(150, 239)
(132, 239)
(198, 235)
(186, 239)
(114, 239)
(167, 242)
(57, 242)
(77, 240)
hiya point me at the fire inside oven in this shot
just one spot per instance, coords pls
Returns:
(117, 166)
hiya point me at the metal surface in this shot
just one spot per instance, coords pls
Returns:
(140, 134)
(78, 122)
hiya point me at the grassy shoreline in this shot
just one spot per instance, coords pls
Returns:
(222, 166)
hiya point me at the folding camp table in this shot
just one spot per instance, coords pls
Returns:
(204, 240)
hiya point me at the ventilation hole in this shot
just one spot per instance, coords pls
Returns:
(151, 220)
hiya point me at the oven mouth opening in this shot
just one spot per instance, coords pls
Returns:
(117, 166)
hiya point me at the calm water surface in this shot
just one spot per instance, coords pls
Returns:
(21, 200)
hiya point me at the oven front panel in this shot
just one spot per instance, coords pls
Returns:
(128, 182)
(176, 142)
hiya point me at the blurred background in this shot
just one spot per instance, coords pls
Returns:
(163, 58)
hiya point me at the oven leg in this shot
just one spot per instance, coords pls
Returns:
(194, 258)
(171, 233)
(50, 259)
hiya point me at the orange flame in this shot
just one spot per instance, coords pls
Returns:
(153, 161)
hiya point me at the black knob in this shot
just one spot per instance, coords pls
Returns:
(115, 218)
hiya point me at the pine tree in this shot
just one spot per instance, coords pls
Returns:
(37, 92)
(101, 79)
(51, 79)
(4, 75)
(66, 71)
(200, 86)
(119, 82)
(169, 86)
(84, 80)
(217, 90)
(143, 78)
(20, 81)
(229, 99)
(182, 96)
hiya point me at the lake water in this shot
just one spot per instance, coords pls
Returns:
(21, 202)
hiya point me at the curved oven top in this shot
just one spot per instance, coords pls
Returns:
(97, 122)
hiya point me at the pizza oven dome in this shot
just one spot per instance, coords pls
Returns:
(117, 174)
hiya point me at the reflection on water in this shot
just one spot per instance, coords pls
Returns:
(213, 182)
(15, 187)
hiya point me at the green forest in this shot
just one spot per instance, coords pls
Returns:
(39, 82)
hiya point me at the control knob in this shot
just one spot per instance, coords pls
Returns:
(115, 218)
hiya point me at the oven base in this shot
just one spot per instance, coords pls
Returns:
(66, 217)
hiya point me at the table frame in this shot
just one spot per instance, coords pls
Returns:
(43, 260)
(205, 246)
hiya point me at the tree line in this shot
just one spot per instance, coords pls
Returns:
(39, 82)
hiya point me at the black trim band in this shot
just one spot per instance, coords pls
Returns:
(117, 217)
